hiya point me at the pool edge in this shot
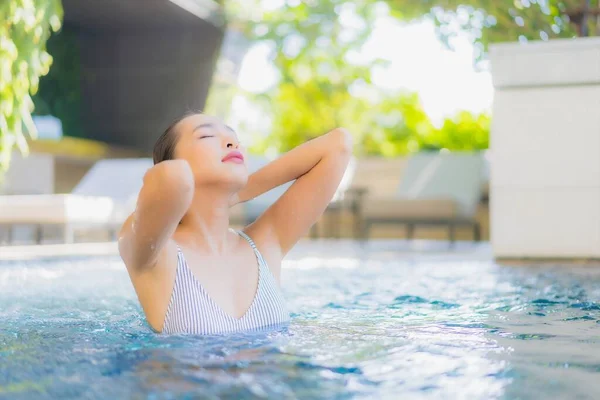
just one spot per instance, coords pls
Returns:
(32, 252)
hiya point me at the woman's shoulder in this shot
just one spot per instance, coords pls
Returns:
(269, 250)
(154, 283)
(129, 243)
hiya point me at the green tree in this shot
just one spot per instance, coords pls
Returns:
(322, 84)
(317, 85)
(464, 131)
(489, 21)
(25, 26)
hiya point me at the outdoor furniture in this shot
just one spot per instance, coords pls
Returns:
(435, 189)
(31, 174)
(345, 199)
(103, 199)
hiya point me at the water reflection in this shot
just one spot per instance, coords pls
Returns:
(365, 325)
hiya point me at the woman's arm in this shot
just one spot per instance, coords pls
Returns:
(163, 200)
(318, 167)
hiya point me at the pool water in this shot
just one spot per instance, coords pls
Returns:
(368, 321)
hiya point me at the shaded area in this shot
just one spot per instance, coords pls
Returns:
(124, 70)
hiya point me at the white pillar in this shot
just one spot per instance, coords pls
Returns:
(545, 149)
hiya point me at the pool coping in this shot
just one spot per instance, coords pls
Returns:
(427, 249)
(305, 248)
(32, 252)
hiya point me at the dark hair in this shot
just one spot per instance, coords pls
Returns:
(164, 148)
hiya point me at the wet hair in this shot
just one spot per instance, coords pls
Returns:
(164, 148)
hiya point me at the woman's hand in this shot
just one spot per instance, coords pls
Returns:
(171, 175)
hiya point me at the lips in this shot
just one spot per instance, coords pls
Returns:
(234, 157)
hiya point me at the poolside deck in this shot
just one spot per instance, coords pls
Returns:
(306, 248)
(31, 252)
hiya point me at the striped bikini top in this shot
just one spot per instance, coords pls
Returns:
(192, 311)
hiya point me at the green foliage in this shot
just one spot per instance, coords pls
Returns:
(59, 91)
(489, 21)
(25, 26)
(399, 126)
(321, 84)
(463, 132)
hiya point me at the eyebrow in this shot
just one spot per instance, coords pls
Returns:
(211, 125)
(231, 129)
(206, 125)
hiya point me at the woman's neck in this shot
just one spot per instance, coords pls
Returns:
(207, 220)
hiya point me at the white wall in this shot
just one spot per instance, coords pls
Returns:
(545, 149)
(32, 174)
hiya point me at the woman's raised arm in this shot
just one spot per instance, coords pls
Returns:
(318, 167)
(164, 199)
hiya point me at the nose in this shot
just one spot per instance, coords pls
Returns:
(232, 144)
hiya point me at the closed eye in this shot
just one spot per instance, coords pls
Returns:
(206, 136)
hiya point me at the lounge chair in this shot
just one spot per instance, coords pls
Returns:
(31, 174)
(345, 198)
(102, 200)
(435, 189)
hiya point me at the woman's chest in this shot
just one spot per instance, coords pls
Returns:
(231, 283)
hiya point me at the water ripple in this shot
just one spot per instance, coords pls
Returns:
(386, 328)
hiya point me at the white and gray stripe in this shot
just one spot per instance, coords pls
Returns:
(192, 311)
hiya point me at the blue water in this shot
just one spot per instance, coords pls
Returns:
(377, 322)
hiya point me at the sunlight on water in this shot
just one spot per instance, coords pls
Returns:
(365, 324)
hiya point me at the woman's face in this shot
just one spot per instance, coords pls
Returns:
(213, 151)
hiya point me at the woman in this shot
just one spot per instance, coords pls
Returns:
(192, 274)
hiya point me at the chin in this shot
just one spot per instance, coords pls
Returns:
(237, 179)
(230, 175)
(242, 180)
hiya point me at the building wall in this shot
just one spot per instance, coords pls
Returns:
(125, 69)
(134, 83)
(545, 142)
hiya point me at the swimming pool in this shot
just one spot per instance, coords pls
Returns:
(368, 322)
